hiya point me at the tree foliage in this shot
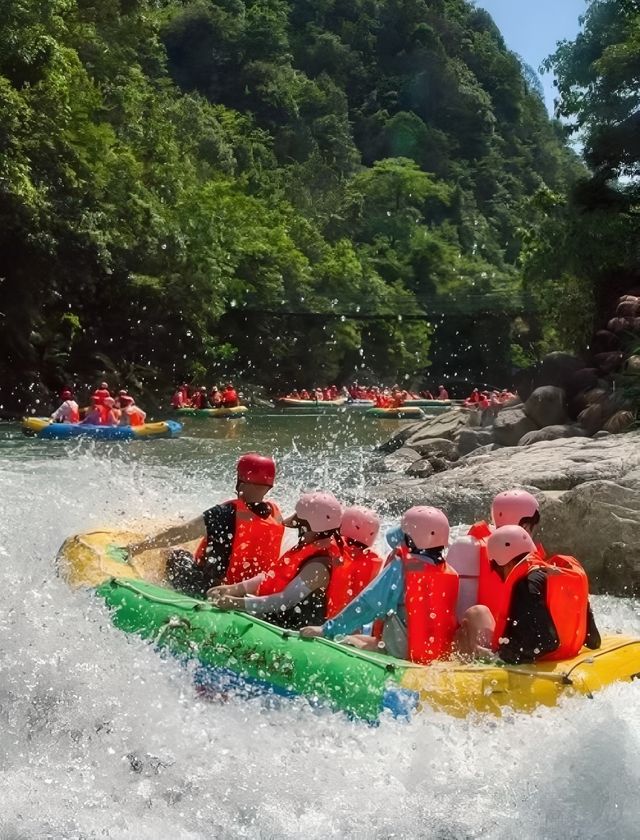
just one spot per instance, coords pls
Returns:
(213, 187)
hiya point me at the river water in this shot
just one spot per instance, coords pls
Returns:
(100, 737)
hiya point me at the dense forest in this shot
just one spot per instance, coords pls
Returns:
(289, 192)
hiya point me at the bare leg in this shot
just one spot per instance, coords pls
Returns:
(475, 633)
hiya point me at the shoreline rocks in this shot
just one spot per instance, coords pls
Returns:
(589, 488)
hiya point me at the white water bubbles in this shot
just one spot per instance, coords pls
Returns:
(100, 736)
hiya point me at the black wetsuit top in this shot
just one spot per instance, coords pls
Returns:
(310, 612)
(530, 629)
(220, 522)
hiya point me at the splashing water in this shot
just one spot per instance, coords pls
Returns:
(100, 736)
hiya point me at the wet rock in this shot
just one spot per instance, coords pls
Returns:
(547, 406)
(398, 438)
(470, 439)
(599, 522)
(585, 399)
(421, 468)
(401, 459)
(437, 446)
(619, 422)
(436, 428)
(511, 425)
(567, 430)
(620, 573)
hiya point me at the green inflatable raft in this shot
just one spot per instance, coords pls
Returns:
(234, 649)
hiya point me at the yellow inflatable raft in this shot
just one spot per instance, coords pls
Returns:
(358, 682)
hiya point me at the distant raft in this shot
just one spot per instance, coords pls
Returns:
(43, 428)
(264, 659)
(222, 413)
(291, 405)
(401, 413)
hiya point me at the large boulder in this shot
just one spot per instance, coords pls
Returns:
(436, 428)
(547, 406)
(566, 430)
(599, 522)
(589, 489)
(558, 369)
(470, 439)
(511, 425)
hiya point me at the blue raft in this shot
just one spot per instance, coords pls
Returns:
(43, 428)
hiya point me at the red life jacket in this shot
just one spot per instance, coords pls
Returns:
(567, 601)
(74, 413)
(256, 543)
(177, 400)
(491, 587)
(356, 571)
(430, 597)
(281, 575)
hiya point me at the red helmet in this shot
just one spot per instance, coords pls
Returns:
(66, 394)
(125, 399)
(360, 524)
(512, 506)
(428, 527)
(322, 511)
(253, 468)
(96, 399)
(509, 542)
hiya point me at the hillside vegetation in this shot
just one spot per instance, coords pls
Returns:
(283, 191)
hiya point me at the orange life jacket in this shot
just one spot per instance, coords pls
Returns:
(358, 568)
(281, 575)
(567, 601)
(256, 543)
(74, 414)
(136, 416)
(430, 597)
(491, 587)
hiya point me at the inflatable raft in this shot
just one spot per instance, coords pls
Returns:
(293, 406)
(265, 659)
(431, 406)
(223, 413)
(402, 413)
(43, 428)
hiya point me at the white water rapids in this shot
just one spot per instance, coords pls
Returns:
(101, 737)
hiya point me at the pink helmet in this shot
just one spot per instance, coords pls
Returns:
(321, 510)
(510, 507)
(509, 542)
(360, 524)
(428, 527)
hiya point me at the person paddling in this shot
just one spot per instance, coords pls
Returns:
(298, 590)
(238, 538)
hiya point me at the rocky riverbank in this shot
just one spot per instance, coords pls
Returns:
(589, 488)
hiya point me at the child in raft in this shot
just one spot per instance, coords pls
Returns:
(415, 596)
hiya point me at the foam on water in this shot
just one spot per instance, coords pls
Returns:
(102, 737)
